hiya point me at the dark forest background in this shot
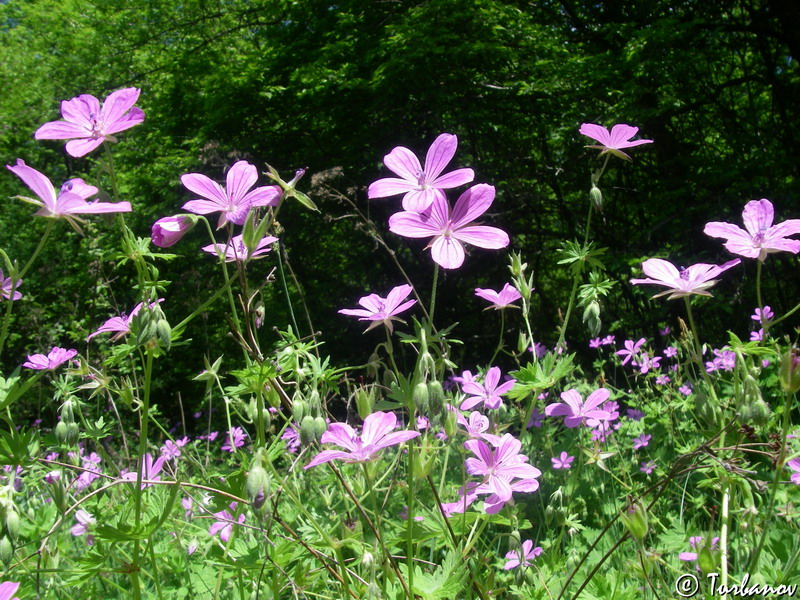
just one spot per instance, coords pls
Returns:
(334, 86)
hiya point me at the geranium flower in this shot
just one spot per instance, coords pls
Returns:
(88, 124)
(794, 465)
(236, 250)
(121, 325)
(761, 236)
(421, 186)
(450, 228)
(576, 411)
(6, 285)
(499, 467)
(692, 280)
(151, 470)
(235, 439)
(382, 310)
(85, 521)
(613, 141)
(563, 461)
(522, 557)
(501, 299)
(695, 542)
(641, 441)
(168, 231)
(8, 589)
(71, 199)
(647, 467)
(375, 436)
(54, 359)
(223, 526)
(236, 200)
(488, 392)
(475, 426)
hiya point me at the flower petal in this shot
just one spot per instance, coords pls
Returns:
(472, 204)
(483, 236)
(402, 162)
(240, 178)
(447, 252)
(35, 180)
(439, 155)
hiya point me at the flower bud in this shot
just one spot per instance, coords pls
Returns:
(11, 524)
(517, 267)
(790, 371)
(450, 423)
(389, 379)
(164, 333)
(168, 231)
(706, 560)
(6, 551)
(320, 427)
(596, 196)
(307, 435)
(257, 484)
(435, 397)
(591, 317)
(420, 397)
(299, 410)
(314, 403)
(364, 402)
(635, 521)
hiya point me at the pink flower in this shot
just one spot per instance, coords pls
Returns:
(382, 310)
(576, 411)
(499, 467)
(120, 325)
(634, 414)
(475, 426)
(9, 289)
(695, 542)
(523, 556)
(54, 359)
(236, 200)
(88, 124)
(85, 521)
(670, 351)
(224, 523)
(692, 280)
(488, 392)
(641, 441)
(613, 141)
(8, 589)
(647, 467)
(794, 465)
(168, 231)
(761, 315)
(421, 186)
(761, 236)
(71, 199)
(151, 470)
(630, 351)
(236, 250)
(235, 439)
(501, 299)
(450, 228)
(375, 436)
(564, 461)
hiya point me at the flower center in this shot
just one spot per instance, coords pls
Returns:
(758, 238)
(422, 180)
(684, 274)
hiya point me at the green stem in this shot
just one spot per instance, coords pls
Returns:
(390, 352)
(571, 303)
(433, 290)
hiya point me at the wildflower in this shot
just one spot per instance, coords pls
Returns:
(564, 461)
(466, 376)
(235, 439)
(670, 351)
(634, 414)
(608, 340)
(292, 438)
(236, 250)
(170, 450)
(630, 351)
(449, 228)
(459, 506)
(614, 141)
(421, 187)
(488, 392)
(188, 504)
(8, 589)
(576, 411)
(236, 200)
(695, 542)
(665, 332)
(647, 467)
(662, 380)
(475, 426)
(121, 325)
(757, 336)
(54, 359)
(695, 279)
(224, 523)
(150, 470)
(648, 363)
(499, 467)
(641, 441)
(595, 343)
(538, 349)
(71, 199)
(725, 360)
(382, 310)
(794, 465)
(536, 418)
(761, 315)
(501, 299)
(523, 556)
(685, 390)
(375, 436)
(9, 289)
(87, 124)
(168, 231)
(761, 236)
(85, 521)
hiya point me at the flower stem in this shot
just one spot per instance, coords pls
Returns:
(433, 290)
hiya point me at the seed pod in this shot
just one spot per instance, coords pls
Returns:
(435, 397)
(299, 410)
(6, 551)
(307, 436)
(596, 196)
(420, 398)
(11, 525)
(320, 427)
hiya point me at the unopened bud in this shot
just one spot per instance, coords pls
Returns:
(591, 317)
(12, 524)
(706, 560)
(421, 397)
(257, 485)
(635, 521)
(299, 410)
(596, 196)
(790, 371)
(435, 397)
(320, 427)
(6, 551)
(364, 402)
(450, 423)
(307, 436)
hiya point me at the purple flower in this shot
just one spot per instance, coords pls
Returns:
(665, 332)
(421, 186)
(613, 141)
(170, 450)
(522, 557)
(70, 200)
(692, 280)
(761, 315)
(725, 360)
(564, 461)
(538, 349)
(292, 438)
(450, 228)
(662, 380)
(488, 392)
(595, 342)
(475, 426)
(8, 589)
(88, 124)
(685, 390)
(375, 436)
(536, 418)
(382, 310)
(235, 439)
(151, 470)
(648, 363)
(670, 351)
(501, 299)
(630, 351)
(224, 523)
(54, 359)
(794, 465)
(634, 414)
(757, 336)
(641, 441)
(576, 411)
(608, 340)
(9, 289)
(236, 200)
(168, 231)
(85, 521)
(121, 325)
(499, 467)
(236, 250)
(761, 236)
(695, 542)
(647, 467)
